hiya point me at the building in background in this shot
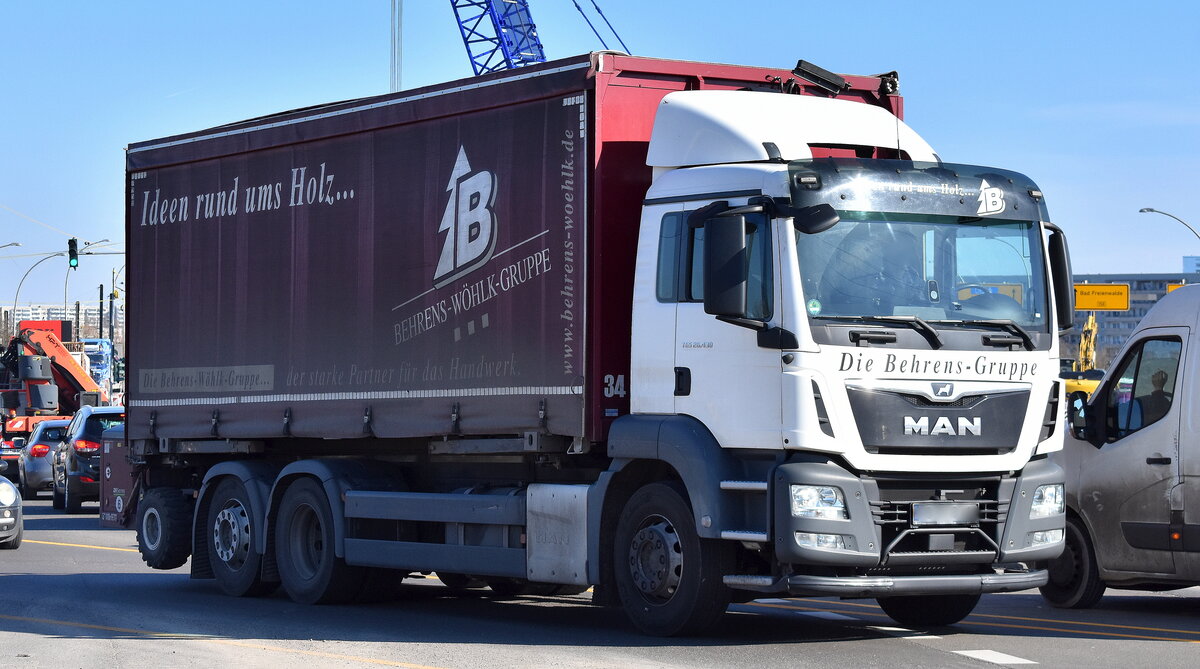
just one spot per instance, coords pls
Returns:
(1191, 264)
(1114, 327)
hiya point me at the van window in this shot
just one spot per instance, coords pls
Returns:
(1144, 387)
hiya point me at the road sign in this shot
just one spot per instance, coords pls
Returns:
(1101, 297)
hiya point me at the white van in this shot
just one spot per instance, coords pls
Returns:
(1132, 465)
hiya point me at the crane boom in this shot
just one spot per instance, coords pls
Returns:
(498, 34)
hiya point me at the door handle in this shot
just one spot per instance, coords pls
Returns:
(1158, 461)
(683, 382)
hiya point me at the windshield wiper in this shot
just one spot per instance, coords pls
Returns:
(1003, 324)
(919, 324)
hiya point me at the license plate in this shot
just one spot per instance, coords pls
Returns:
(945, 513)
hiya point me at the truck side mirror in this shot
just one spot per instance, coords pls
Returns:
(725, 265)
(1064, 288)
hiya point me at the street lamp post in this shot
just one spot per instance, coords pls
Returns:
(21, 282)
(1151, 210)
(10, 244)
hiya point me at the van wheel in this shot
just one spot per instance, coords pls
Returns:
(923, 611)
(667, 577)
(304, 549)
(1074, 577)
(164, 528)
(236, 562)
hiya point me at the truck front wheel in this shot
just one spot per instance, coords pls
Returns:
(164, 528)
(928, 610)
(668, 578)
(304, 549)
(236, 563)
(1074, 577)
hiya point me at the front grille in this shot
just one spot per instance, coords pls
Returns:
(964, 402)
(969, 543)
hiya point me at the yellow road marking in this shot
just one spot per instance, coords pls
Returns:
(879, 614)
(227, 642)
(102, 548)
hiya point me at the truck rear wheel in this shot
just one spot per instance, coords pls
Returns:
(164, 528)
(1074, 577)
(928, 610)
(236, 562)
(668, 578)
(304, 549)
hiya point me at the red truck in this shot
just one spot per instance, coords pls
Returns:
(610, 321)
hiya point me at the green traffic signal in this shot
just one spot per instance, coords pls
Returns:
(73, 252)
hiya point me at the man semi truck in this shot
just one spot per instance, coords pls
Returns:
(688, 333)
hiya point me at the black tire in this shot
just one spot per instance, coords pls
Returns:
(13, 543)
(230, 538)
(1074, 577)
(667, 577)
(72, 500)
(28, 494)
(57, 499)
(922, 611)
(164, 528)
(460, 581)
(304, 549)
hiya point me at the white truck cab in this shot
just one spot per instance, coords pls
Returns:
(1132, 464)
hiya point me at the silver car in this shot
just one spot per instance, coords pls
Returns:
(35, 466)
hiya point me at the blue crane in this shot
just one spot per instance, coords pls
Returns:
(498, 34)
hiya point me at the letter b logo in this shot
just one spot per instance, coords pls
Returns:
(469, 222)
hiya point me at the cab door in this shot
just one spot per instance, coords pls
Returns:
(724, 378)
(1130, 486)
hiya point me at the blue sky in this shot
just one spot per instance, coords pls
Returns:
(1097, 101)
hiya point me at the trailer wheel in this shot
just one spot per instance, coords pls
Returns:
(668, 578)
(310, 571)
(236, 563)
(923, 611)
(164, 528)
(1074, 577)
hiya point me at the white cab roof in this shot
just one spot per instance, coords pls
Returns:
(716, 127)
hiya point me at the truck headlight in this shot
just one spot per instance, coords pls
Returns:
(1047, 501)
(818, 501)
(8, 493)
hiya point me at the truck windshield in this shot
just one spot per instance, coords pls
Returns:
(945, 270)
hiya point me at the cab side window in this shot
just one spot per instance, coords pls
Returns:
(681, 264)
(1144, 388)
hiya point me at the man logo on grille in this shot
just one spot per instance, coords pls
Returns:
(943, 390)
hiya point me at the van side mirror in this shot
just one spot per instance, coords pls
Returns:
(725, 266)
(1080, 420)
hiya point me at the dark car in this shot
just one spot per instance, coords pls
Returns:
(35, 470)
(77, 458)
(12, 526)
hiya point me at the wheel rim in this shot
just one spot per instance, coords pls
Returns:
(152, 529)
(306, 541)
(231, 534)
(656, 559)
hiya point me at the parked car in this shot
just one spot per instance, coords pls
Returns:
(77, 458)
(12, 526)
(35, 470)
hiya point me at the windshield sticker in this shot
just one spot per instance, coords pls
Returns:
(991, 200)
(814, 307)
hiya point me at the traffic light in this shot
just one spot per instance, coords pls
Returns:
(73, 252)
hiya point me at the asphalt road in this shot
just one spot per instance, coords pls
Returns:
(74, 595)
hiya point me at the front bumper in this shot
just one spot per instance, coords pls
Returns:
(10, 522)
(893, 586)
(880, 532)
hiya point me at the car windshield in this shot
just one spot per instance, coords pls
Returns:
(942, 269)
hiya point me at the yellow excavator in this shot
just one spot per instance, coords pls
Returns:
(1084, 376)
